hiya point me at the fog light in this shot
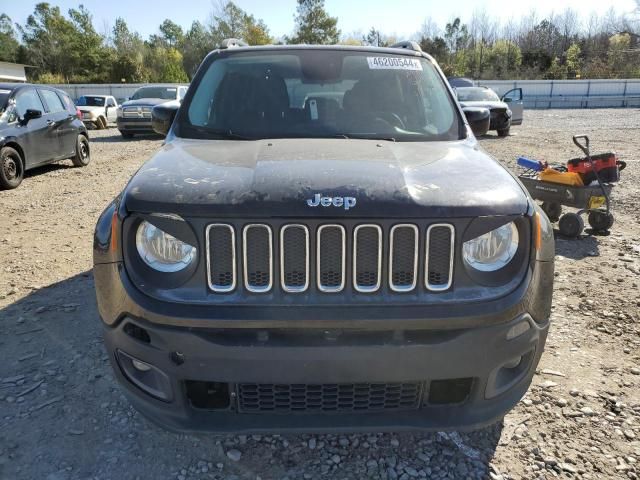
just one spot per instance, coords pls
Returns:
(518, 329)
(513, 363)
(143, 367)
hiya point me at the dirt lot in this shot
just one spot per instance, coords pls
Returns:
(63, 417)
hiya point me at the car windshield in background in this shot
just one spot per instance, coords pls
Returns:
(320, 93)
(166, 93)
(86, 101)
(476, 95)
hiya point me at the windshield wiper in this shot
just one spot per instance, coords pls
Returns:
(364, 136)
(226, 134)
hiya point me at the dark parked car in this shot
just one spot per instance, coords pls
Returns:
(505, 111)
(38, 125)
(134, 115)
(321, 245)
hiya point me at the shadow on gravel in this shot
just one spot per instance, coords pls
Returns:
(51, 167)
(577, 248)
(63, 417)
(117, 138)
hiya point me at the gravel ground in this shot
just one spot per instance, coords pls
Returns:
(62, 416)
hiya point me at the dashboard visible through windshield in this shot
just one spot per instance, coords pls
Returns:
(320, 93)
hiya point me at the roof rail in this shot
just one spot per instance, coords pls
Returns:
(408, 45)
(232, 43)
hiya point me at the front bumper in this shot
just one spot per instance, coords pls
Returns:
(499, 369)
(134, 125)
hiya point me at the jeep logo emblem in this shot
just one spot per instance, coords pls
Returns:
(318, 199)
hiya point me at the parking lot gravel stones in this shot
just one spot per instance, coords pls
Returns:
(63, 417)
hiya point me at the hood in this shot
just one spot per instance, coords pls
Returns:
(90, 108)
(277, 177)
(145, 101)
(486, 104)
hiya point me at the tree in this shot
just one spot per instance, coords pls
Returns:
(9, 45)
(172, 33)
(574, 61)
(230, 21)
(314, 25)
(129, 50)
(197, 43)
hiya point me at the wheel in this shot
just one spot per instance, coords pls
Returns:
(553, 210)
(600, 221)
(11, 168)
(83, 153)
(126, 134)
(101, 124)
(504, 132)
(571, 225)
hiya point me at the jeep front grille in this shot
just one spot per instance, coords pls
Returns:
(330, 257)
(309, 398)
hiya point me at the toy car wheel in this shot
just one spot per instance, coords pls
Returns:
(600, 221)
(571, 225)
(553, 210)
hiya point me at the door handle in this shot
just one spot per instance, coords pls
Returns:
(50, 122)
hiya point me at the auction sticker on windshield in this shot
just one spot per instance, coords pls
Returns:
(394, 63)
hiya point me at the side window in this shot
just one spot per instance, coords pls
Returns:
(54, 104)
(111, 102)
(28, 99)
(70, 106)
(182, 91)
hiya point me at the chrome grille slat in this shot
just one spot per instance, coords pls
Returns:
(257, 257)
(221, 257)
(294, 258)
(439, 256)
(331, 268)
(403, 257)
(367, 258)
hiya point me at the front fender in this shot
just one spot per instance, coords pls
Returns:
(106, 237)
(547, 250)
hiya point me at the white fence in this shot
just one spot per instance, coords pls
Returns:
(537, 93)
(121, 91)
(572, 93)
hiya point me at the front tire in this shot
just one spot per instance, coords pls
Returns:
(83, 152)
(600, 221)
(504, 132)
(11, 168)
(101, 124)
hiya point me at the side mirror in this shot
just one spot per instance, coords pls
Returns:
(478, 118)
(162, 117)
(31, 114)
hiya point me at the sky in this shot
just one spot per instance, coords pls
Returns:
(401, 18)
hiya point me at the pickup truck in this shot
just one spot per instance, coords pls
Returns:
(98, 110)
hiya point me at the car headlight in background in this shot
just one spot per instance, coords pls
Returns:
(161, 251)
(493, 250)
(119, 111)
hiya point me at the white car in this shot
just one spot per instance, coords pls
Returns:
(99, 110)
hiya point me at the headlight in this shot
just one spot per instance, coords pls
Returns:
(493, 250)
(119, 111)
(161, 251)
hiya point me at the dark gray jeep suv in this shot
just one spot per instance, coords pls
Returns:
(321, 245)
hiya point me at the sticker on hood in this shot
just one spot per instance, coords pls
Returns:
(394, 63)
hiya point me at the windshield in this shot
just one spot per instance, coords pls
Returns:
(320, 93)
(86, 101)
(166, 93)
(476, 95)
